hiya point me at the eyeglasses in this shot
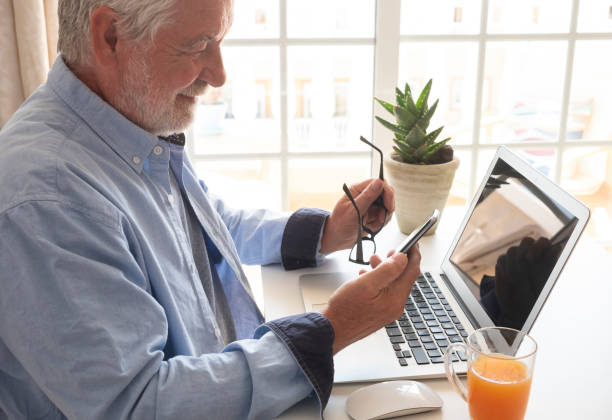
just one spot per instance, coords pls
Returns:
(363, 241)
(365, 246)
(379, 202)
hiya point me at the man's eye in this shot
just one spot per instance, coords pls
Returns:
(200, 48)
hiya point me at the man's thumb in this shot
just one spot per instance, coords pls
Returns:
(385, 273)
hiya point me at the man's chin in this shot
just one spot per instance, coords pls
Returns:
(174, 124)
(167, 120)
(171, 129)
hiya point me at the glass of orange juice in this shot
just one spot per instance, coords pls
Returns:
(500, 365)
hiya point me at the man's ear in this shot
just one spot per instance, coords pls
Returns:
(104, 37)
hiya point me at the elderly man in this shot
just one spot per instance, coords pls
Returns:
(121, 291)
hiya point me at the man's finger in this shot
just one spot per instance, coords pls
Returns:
(386, 272)
(411, 254)
(414, 253)
(375, 261)
(414, 258)
(389, 198)
(409, 274)
(365, 199)
(356, 189)
(375, 214)
(375, 217)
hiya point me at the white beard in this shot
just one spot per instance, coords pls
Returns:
(156, 111)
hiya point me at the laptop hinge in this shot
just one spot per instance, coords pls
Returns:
(460, 302)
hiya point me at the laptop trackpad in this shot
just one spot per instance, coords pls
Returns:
(317, 288)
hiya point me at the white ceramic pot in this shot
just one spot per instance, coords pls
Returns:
(419, 189)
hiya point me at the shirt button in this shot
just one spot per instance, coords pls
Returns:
(136, 160)
(170, 198)
(158, 150)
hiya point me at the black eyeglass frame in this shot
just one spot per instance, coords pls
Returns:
(358, 247)
(379, 200)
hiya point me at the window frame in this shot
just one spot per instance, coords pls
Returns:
(482, 38)
(284, 155)
(387, 41)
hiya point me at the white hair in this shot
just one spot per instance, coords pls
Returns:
(138, 20)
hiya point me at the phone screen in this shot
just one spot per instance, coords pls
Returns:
(416, 234)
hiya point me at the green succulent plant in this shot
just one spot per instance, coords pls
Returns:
(412, 142)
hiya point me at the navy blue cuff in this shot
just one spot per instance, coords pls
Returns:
(301, 238)
(310, 337)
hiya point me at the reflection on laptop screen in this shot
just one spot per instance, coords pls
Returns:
(510, 245)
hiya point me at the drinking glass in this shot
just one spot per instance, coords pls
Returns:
(500, 365)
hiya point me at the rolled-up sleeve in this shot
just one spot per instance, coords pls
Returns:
(310, 338)
(302, 238)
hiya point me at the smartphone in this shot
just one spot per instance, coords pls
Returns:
(416, 234)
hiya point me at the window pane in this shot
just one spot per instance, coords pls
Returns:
(587, 174)
(461, 184)
(243, 116)
(330, 92)
(522, 91)
(452, 67)
(247, 183)
(255, 19)
(440, 17)
(484, 160)
(529, 16)
(331, 19)
(591, 96)
(541, 159)
(318, 182)
(595, 16)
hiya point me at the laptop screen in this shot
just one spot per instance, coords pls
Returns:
(510, 244)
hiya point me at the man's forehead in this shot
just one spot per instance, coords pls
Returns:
(202, 19)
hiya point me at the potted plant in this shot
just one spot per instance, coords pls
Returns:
(420, 169)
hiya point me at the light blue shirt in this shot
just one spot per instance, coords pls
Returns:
(102, 312)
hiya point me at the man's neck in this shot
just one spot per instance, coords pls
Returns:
(88, 76)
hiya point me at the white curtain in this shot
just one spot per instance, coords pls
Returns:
(28, 44)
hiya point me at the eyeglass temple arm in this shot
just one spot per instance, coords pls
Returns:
(380, 175)
(350, 197)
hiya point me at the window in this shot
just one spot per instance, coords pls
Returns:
(297, 98)
(529, 74)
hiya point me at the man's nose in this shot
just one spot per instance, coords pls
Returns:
(213, 71)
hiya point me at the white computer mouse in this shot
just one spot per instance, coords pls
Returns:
(391, 399)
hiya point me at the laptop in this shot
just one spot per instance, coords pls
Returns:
(501, 266)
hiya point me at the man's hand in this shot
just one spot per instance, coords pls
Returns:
(520, 275)
(374, 299)
(340, 230)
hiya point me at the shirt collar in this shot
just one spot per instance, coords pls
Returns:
(176, 161)
(129, 141)
(176, 138)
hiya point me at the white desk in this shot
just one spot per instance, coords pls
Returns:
(574, 325)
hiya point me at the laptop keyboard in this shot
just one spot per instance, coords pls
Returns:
(427, 326)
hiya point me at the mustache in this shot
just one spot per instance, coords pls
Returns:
(197, 88)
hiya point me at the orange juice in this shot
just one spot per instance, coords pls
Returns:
(498, 389)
